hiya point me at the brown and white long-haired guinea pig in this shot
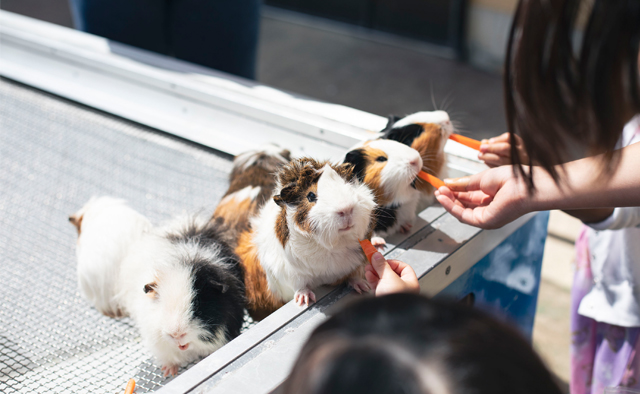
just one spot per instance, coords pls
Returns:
(305, 236)
(184, 288)
(251, 184)
(427, 132)
(390, 169)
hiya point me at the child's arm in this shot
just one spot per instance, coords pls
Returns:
(587, 216)
(496, 152)
(618, 219)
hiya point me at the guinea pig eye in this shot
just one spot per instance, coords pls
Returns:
(312, 197)
(381, 158)
(148, 288)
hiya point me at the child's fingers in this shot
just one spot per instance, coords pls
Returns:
(371, 276)
(456, 184)
(493, 160)
(397, 266)
(369, 268)
(519, 142)
(471, 182)
(472, 199)
(497, 148)
(504, 137)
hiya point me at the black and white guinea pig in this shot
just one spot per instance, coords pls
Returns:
(306, 235)
(390, 169)
(184, 289)
(427, 132)
(107, 227)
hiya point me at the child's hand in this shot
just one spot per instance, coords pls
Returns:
(496, 151)
(390, 276)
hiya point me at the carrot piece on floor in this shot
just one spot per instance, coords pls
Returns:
(368, 248)
(130, 387)
(435, 182)
(470, 142)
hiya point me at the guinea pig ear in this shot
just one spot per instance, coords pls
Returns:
(76, 220)
(150, 289)
(286, 153)
(286, 195)
(223, 287)
(357, 158)
(405, 134)
(391, 120)
(279, 201)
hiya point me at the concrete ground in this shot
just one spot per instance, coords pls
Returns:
(551, 332)
(389, 75)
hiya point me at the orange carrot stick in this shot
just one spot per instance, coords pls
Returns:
(368, 248)
(470, 142)
(435, 182)
(130, 387)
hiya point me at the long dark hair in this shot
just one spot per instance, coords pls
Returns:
(558, 98)
(404, 343)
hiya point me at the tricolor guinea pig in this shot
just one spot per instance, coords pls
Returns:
(390, 169)
(184, 288)
(305, 236)
(251, 184)
(426, 132)
(107, 227)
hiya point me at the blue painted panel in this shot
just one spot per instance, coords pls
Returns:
(505, 282)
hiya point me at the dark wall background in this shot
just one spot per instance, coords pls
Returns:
(343, 66)
(438, 21)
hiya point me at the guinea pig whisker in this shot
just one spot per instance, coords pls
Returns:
(426, 168)
(384, 214)
(445, 103)
(433, 99)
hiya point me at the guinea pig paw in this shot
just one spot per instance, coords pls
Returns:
(405, 228)
(170, 370)
(379, 243)
(304, 297)
(360, 285)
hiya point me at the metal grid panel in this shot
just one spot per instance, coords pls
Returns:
(55, 155)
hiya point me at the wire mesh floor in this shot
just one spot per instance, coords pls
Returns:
(55, 155)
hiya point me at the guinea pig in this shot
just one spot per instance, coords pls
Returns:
(107, 227)
(305, 236)
(251, 184)
(426, 132)
(390, 169)
(184, 288)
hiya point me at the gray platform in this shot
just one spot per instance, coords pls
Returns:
(55, 155)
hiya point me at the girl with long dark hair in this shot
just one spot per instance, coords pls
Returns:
(564, 102)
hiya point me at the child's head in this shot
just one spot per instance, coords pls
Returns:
(403, 343)
(568, 97)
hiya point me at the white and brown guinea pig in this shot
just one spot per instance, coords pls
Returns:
(107, 227)
(251, 184)
(390, 169)
(305, 236)
(184, 288)
(426, 132)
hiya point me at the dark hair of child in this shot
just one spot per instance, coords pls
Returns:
(404, 343)
(571, 79)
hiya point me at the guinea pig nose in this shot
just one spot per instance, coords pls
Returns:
(414, 162)
(178, 335)
(345, 212)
